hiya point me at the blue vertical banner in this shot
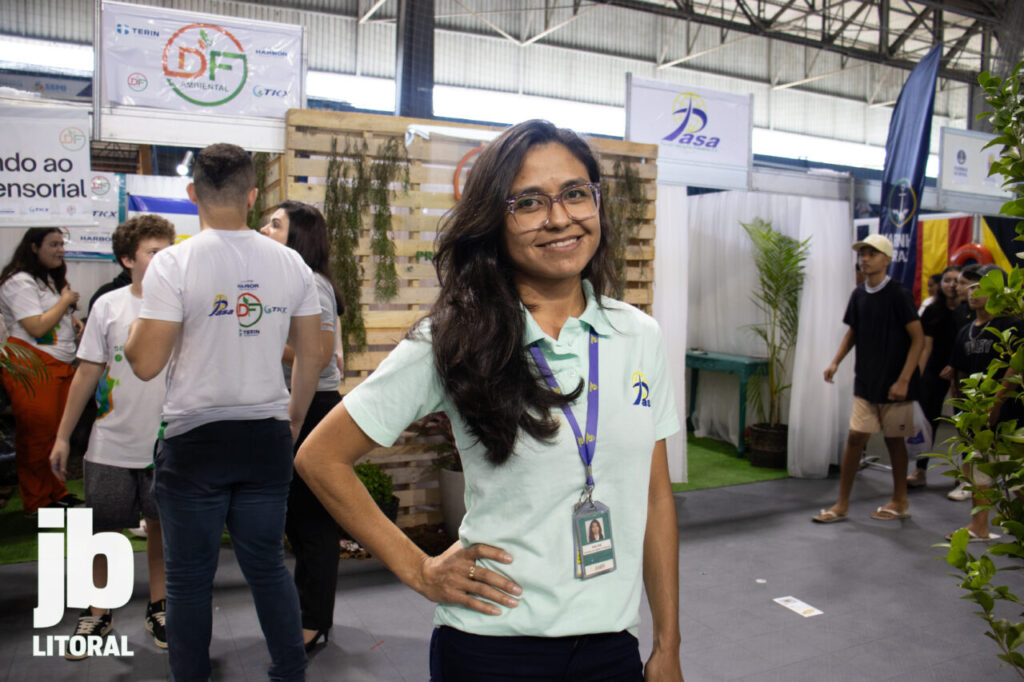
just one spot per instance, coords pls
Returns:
(906, 154)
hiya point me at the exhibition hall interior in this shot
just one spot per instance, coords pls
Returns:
(321, 317)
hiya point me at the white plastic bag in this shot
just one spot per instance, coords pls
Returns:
(920, 444)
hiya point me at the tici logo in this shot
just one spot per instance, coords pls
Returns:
(261, 91)
(82, 549)
(205, 64)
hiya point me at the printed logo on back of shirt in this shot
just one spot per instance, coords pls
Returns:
(639, 384)
(221, 306)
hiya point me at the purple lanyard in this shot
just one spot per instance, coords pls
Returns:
(585, 444)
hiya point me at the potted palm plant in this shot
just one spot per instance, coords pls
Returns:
(780, 262)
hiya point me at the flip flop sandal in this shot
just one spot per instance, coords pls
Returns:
(829, 516)
(886, 514)
(976, 538)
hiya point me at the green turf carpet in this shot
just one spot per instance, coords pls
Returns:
(714, 464)
(18, 532)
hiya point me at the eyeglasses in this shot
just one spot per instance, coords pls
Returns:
(532, 211)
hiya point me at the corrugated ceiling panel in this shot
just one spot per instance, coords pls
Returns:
(476, 62)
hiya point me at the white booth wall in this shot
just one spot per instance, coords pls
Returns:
(722, 277)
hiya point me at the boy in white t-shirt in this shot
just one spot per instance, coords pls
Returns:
(119, 459)
(217, 310)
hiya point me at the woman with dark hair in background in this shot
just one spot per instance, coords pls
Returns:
(520, 349)
(37, 302)
(940, 330)
(311, 530)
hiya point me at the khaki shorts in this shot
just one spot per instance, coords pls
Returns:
(978, 477)
(894, 420)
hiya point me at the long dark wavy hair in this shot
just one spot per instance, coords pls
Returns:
(26, 260)
(940, 295)
(307, 234)
(477, 323)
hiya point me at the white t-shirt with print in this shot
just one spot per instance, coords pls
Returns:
(24, 296)
(128, 409)
(330, 376)
(235, 292)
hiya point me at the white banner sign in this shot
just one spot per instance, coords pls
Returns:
(963, 164)
(695, 126)
(45, 178)
(200, 63)
(94, 242)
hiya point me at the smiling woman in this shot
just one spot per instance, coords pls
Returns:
(37, 305)
(520, 341)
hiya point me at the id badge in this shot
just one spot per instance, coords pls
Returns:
(592, 537)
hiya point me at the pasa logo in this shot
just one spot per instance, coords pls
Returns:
(690, 114)
(220, 306)
(205, 64)
(643, 391)
(261, 91)
(100, 185)
(138, 81)
(72, 138)
(82, 549)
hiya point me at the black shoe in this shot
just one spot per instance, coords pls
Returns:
(315, 642)
(89, 626)
(68, 501)
(156, 622)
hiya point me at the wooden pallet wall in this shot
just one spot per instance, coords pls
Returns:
(300, 174)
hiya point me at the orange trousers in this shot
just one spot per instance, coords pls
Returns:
(37, 413)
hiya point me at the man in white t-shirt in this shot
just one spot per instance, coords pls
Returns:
(119, 460)
(217, 310)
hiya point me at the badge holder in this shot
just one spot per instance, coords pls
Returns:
(592, 537)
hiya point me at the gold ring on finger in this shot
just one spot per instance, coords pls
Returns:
(472, 572)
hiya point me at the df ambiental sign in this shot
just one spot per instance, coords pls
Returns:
(200, 63)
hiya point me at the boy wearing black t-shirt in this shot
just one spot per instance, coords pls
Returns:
(884, 328)
(973, 350)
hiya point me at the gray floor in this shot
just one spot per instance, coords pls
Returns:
(891, 608)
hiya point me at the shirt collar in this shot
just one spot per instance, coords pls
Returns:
(593, 315)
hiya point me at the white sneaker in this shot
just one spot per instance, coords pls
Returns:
(959, 493)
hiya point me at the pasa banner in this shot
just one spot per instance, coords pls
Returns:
(693, 126)
(200, 63)
(45, 177)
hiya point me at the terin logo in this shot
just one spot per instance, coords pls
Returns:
(220, 306)
(82, 549)
(205, 65)
(643, 391)
(690, 114)
(902, 202)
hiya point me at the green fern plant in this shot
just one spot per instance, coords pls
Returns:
(780, 262)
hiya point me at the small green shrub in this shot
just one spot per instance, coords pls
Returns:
(377, 481)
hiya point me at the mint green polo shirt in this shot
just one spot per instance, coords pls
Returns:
(525, 505)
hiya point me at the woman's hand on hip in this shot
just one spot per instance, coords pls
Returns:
(454, 577)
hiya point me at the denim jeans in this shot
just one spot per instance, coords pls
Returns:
(238, 473)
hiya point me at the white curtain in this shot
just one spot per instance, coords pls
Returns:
(721, 278)
(670, 306)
